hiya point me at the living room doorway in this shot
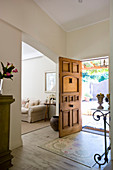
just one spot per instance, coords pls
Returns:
(95, 80)
(38, 85)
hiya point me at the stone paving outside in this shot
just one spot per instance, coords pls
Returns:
(87, 118)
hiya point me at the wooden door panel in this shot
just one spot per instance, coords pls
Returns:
(65, 119)
(75, 117)
(70, 96)
(72, 99)
(69, 84)
(69, 126)
(65, 66)
(70, 105)
(75, 68)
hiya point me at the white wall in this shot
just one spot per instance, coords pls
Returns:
(89, 42)
(33, 77)
(10, 51)
(26, 16)
(30, 19)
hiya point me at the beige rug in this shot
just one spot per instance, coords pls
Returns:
(79, 147)
(29, 127)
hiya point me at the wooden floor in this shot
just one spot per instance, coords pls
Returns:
(31, 157)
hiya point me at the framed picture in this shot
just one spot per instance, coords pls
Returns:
(50, 82)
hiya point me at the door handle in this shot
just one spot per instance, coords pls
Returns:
(71, 105)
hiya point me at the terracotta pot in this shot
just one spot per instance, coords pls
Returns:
(54, 122)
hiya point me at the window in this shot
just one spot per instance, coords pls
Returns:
(50, 82)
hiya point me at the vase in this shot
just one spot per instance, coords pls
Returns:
(100, 102)
(54, 122)
(1, 86)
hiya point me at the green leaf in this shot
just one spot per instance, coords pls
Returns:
(9, 70)
(2, 66)
(1, 75)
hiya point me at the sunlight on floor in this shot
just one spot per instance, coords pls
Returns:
(90, 122)
(87, 115)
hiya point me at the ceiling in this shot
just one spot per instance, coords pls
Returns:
(29, 52)
(72, 14)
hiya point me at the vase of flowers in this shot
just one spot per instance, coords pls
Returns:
(52, 98)
(100, 98)
(6, 72)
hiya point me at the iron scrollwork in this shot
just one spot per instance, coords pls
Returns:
(98, 157)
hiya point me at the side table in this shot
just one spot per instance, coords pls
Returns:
(47, 108)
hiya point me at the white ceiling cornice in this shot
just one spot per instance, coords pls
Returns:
(75, 29)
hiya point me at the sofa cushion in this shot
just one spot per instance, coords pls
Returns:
(31, 103)
(34, 102)
(37, 102)
(27, 105)
(24, 102)
(24, 110)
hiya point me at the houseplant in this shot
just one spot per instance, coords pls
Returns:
(6, 72)
(87, 97)
(52, 98)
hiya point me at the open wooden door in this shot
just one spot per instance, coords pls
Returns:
(70, 77)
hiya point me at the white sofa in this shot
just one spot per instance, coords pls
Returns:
(33, 113)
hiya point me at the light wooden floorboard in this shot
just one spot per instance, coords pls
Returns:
(31, 157)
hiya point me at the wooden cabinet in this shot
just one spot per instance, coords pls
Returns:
(5, 153)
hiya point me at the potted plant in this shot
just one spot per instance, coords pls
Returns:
(87, 97)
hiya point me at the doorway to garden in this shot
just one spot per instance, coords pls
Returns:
(95, 80)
